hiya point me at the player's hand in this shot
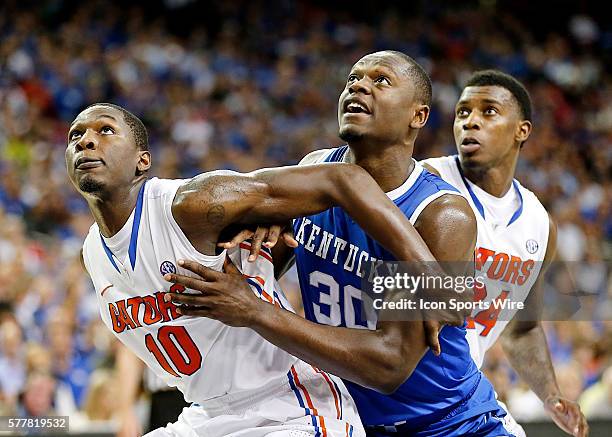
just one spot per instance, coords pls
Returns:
(567, 415)
(432, 329)
(226, 296)
(129, 425)
(263, 235)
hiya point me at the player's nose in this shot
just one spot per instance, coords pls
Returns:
(87, 141)
(360, 85)
(472, 121)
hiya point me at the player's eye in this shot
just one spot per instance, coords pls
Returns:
(107, 130)
(491, 110)
(74, 135)
(383, 79)
(352, 78)
(462, 112)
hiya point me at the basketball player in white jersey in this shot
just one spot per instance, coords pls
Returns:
(240, 384)
(516, 237)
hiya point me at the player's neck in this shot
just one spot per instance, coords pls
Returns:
(496, 180)
(112, 212)
(389, 166)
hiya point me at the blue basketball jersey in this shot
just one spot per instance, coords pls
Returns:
(333, 257)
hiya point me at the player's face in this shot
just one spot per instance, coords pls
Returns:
(488, 126)
(101, 152)
(377, 102)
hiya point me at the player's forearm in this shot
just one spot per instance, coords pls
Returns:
(528, 354)
(301, 191)
(368, 358)
(129, 370)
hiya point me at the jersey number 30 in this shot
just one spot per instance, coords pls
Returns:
(331, 298)
(179, 347)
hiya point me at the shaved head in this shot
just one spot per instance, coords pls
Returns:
(410, 68)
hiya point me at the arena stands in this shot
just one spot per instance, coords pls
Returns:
(255, 84)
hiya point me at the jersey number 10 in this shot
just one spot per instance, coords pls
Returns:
(179, 347)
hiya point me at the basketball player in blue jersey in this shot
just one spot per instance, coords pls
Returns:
(492, 123)
(381, 109)
(242, 384)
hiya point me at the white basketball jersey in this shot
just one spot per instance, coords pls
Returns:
(508, 257)
(204, 358)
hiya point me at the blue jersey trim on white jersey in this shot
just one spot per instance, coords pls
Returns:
(136, 226)
(477, 202)
(108, 252)
(134, 235)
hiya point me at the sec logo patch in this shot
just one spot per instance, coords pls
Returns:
(531, 246)
(167, 267)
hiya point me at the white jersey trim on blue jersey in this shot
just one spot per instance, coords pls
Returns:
(408, 183)
(428, 200)
(397, 192)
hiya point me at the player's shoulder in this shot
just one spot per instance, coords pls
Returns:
(94, 232)
(156, 187)
(438, 163)
(316, 156)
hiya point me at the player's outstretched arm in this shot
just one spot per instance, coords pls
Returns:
(210, 202)
(524, 343)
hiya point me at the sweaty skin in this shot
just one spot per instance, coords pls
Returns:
(108, 169)
(381, 139)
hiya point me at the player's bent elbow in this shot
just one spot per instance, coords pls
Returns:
(391, 374)
(347, 178)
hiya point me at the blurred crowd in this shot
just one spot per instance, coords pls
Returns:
(261, 90)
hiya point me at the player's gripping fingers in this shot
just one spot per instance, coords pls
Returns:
(289, 239)
(241, 236)
(432, 329)
(567, 415)
(577, 420)
(190, 282)
(193, 300)
(273, 234)
(195, 311)
(583, 427)
(256, 241)
(204, 272)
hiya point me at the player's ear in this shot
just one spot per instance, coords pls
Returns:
(523, 131)
(144, 161)
(420, 116)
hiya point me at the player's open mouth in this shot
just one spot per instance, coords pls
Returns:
(355, 106)
(87, 163)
